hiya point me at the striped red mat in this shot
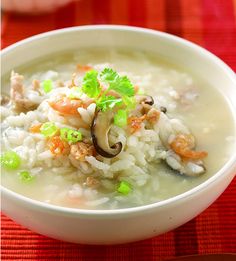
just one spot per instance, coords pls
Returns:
(210, 23)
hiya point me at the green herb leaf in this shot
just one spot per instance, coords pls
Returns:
(120, 118)
(91, 86)
(120, 84)
(124, 188)
(47, 85)
(130, 102)
(123, 86)
(108, 102)
(108, 75)
(10, 160)
(25, 176)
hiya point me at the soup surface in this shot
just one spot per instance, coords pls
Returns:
(78, 133)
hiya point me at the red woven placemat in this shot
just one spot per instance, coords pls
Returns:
(210, 23)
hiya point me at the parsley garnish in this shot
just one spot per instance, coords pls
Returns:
(108, 75)
(120, 84)
(106, 102)
(91, 86)
(130, 102)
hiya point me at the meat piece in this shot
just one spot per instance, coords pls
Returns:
(17, 94)
(5, 99)
(80, 150)
(92, 182)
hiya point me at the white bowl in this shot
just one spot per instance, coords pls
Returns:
(131, 224)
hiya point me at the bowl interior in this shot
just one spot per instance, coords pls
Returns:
(171, 48)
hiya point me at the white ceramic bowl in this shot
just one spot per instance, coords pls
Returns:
(122, 225)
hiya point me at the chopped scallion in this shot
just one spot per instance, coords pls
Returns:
(25, 176)
(120, 118)
(47, 86)
(130, 102)
(69, 135)
(63, 133)
(124, 188)
(10, 160)
(48, 129)
(74, 136)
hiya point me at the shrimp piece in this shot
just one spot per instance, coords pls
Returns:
(136, 89)
(183, 144)
(135, 123)
(67, 106)
(153, 115)
(35, 128)
(58, 146)
(80, 150)
(83, 68)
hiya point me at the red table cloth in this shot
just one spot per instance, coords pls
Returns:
(209, 23)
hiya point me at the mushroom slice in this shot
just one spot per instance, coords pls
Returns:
(100, 128)
(146, 99)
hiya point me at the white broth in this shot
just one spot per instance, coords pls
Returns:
(58, 181)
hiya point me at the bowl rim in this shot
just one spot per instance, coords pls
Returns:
(228, 166)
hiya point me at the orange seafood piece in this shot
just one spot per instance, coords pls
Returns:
(67, 106)
(35, 128)
(84, 68)
(182, 145)
(58, 146)
(135, 123)
(136, 89)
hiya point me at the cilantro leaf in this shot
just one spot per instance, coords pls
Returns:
(108, 102)
(108, 75)
(129, 102)
(91, 86)
(123, 86)
(120, 84)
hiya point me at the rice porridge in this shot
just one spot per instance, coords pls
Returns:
(108, 129)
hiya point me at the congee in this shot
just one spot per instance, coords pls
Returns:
(109, 129)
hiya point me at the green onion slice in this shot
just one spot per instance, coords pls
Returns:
(10, 160)
(25, 176)
(71, 136)
(124, 188)
(120, 118)
(47, 85)
(48, 129)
